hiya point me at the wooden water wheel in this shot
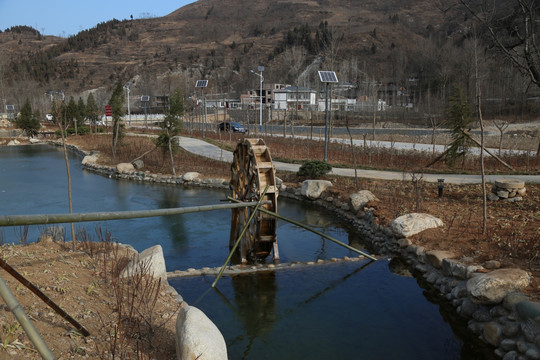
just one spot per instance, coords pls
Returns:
(251, 171)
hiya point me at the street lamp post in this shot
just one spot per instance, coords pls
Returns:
(327, 77)
(145, 99)
(127, 94)
(202, 84)
(261, 69)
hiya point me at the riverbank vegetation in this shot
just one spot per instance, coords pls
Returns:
(127, 318)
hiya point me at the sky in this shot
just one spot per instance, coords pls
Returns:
(68, 17)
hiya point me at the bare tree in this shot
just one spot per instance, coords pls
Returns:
(513, 27)
(481, 122)
(501, 125)
(59, 111)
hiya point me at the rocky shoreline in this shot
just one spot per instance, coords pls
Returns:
(485, 295)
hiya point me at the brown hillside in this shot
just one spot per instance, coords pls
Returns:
(208, 35)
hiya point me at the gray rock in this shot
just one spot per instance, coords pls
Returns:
(197, 337)
(522, 346)
(312, 189)
(503, 194)
(468, 308)
(482, 315)
(151, 261)
(528, 309)
(509, 184)
(359, 199)
(125, 168)
(404, 242)
(436, 257)
(492, 197)
(459, 291)
(512, 299)
(89, 159)
(492, 264)
(511, 355)
(492, 333)
(460, 271)
(491, 288)
(511, 329)
(514, 199)
(411, 224)
(431, 277)
(532, 354)
(530, 330)
(508, 344)
(191, 176)
(138, 164)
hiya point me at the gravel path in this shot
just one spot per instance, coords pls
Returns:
(205, 149)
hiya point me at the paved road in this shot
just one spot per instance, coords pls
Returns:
(205, 149)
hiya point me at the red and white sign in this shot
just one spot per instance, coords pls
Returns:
(108, 110)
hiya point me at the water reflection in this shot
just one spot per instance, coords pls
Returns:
(398, 267)
(255, 298)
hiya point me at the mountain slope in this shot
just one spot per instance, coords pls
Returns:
(216, 37)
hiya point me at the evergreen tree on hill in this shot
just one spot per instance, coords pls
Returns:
(26, 120)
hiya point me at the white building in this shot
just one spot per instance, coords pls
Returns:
(294, 96)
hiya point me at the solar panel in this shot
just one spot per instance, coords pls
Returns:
(201, 83)
(328, 76)
(10, 107)
(145, 98)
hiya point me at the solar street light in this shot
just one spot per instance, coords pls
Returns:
(202, 84)
(327, 77)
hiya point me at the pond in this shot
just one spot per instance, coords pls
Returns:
(333, 311)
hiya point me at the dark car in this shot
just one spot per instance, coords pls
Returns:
(231, 126)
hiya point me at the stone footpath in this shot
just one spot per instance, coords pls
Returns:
(486, 295)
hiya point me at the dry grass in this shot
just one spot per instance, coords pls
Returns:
(128, 318)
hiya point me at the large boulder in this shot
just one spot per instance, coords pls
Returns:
(191, 176)
(125, 167)
(492, 287)
(411, 224)
(359, 199)
(312, 189)
(13, 142)
(90, 159)
(197, 337)
(151, 262)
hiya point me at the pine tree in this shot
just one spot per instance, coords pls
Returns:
(117, 104)
(26, 120)
(81, 112)
(460, 118)
(92, 110)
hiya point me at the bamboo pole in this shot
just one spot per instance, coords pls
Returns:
(246, 226)
(25, 322)
(466, 133)
(43, 297)
(16, 220)
(313, 230)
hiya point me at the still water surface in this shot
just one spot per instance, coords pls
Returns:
(336, 311)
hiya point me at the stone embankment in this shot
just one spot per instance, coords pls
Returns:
(488, 296)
